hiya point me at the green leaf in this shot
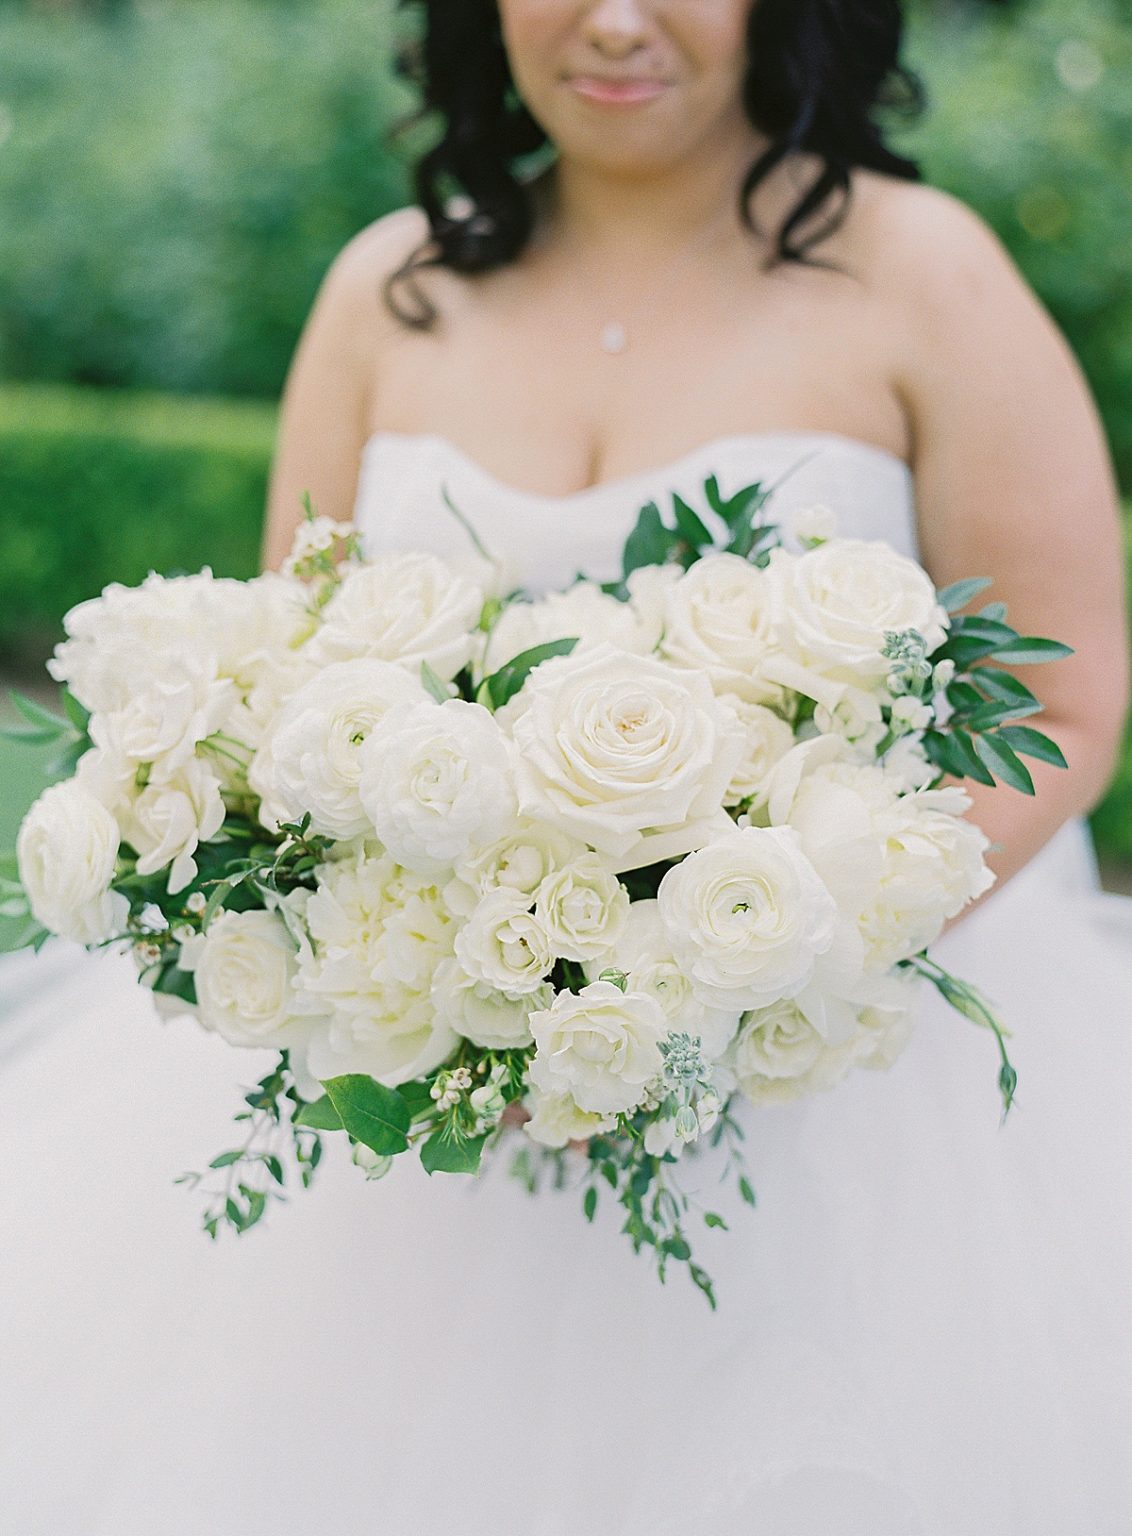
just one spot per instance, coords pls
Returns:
(973, 765)
(994, 711)
(373, 1114)
(1034, 744)
(1002, 685)
(745, 1189)
(688, 524)
(589, 1202)
(649, 542)
(77, 714)
(417, 1097)
(318, 1115)
(433, 684)
(996, 611)
(714, 1219)
(1031, 648)
(225, 1160)
(1003, 761)
(505, 683)
(43, 718)
(444, 1154)
(960, 593)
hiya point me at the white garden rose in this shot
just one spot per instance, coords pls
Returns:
(520, 859)
(623, 752)
(556, 1120)
(719, 617)
(766, 739)
(600, 1045)
(887, 1021)
(66, 854)
(503, 945)
(582, 908)
(404, 609)
(583, 612)
(165, 822)
(175, 702)
(643, 952)
(312, 755)
(377, 936)
(437, 781)
(779, 1055)
(747, 917)
(483, 1014)
(244, 968)
(835, 603)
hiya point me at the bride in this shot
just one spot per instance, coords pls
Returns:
(923, 1328)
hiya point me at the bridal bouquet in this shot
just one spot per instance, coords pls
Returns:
(614, 855)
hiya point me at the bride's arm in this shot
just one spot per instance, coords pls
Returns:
(1014, 481)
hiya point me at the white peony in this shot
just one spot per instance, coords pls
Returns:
(835, 603)
(747, 917)
(166, 821)
(719, 617)
(582, 908)
(624, 752)
(377, 935)
(244, 969)
(174, 703)
(436, 781)
(481, 1013)
(583, 612)
(766, 739)
(403, 609)
(66, 853)
(601, 1046)
(644, 952)
(311, 757)
(556, 1120)
(503, 945)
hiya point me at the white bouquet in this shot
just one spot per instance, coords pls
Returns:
(612, 855)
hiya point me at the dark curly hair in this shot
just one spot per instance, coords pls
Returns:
(819, 72)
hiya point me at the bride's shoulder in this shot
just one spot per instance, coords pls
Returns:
(354, 279)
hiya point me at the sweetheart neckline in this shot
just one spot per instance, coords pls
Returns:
(620, 483)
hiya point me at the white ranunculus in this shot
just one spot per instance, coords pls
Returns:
(747, 917)
(503, 945)
(767, 739)
(311, 757)
(482, 1014)
(643, 951)
(167, 820)
(377, 935)
(582, 908)
(583, 612)
(244, 968)
(556, 1120)
(720, 617)
(403, 609)
(835, 603)
(624, 752)
(66, 852)
(437, 781)
(600, 1045)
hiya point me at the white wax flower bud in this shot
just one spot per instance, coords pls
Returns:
(912, 712)
(813, 525)
(196, 903)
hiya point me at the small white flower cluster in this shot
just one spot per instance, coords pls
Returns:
(749, 735)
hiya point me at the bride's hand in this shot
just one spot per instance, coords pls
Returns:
(516, 1115)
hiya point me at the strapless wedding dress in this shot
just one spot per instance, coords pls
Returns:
(923, 1328)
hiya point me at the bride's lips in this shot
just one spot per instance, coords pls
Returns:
(615, 92)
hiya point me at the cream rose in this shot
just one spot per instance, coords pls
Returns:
(601, 1046)
(747, 917)
(623, 752)
(436, 781)
(766, 739)
(244, 968)
(503, 945)
(779, 1055)
(582, 908)
(165, 822)
(583, 612)
(66, 853)
(482, 1014)
(311, 758)
(719, 617)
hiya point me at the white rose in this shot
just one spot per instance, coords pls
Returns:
(405, 609)
(601, 1045)
(887, 1021)
(779, 1055)
(643, 951)
(582, 908)
(834, 604)
(244, 968)
(767, 738)
(66, 852)
(482, 1014)
(311, 757)
(556, 1120)
(174, 703)
(503, 944)
(167, 820)
(436, 780)
(624, 752)
(719, 617)
(377, 935)
(583, 612)
(747, 917)
(520, 860)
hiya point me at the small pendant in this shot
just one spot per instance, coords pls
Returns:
(613, 336)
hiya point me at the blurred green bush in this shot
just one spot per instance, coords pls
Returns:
(99, 486)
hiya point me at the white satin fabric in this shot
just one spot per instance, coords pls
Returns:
(923, 1330)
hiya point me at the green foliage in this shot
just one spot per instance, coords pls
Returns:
(372, 1114)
